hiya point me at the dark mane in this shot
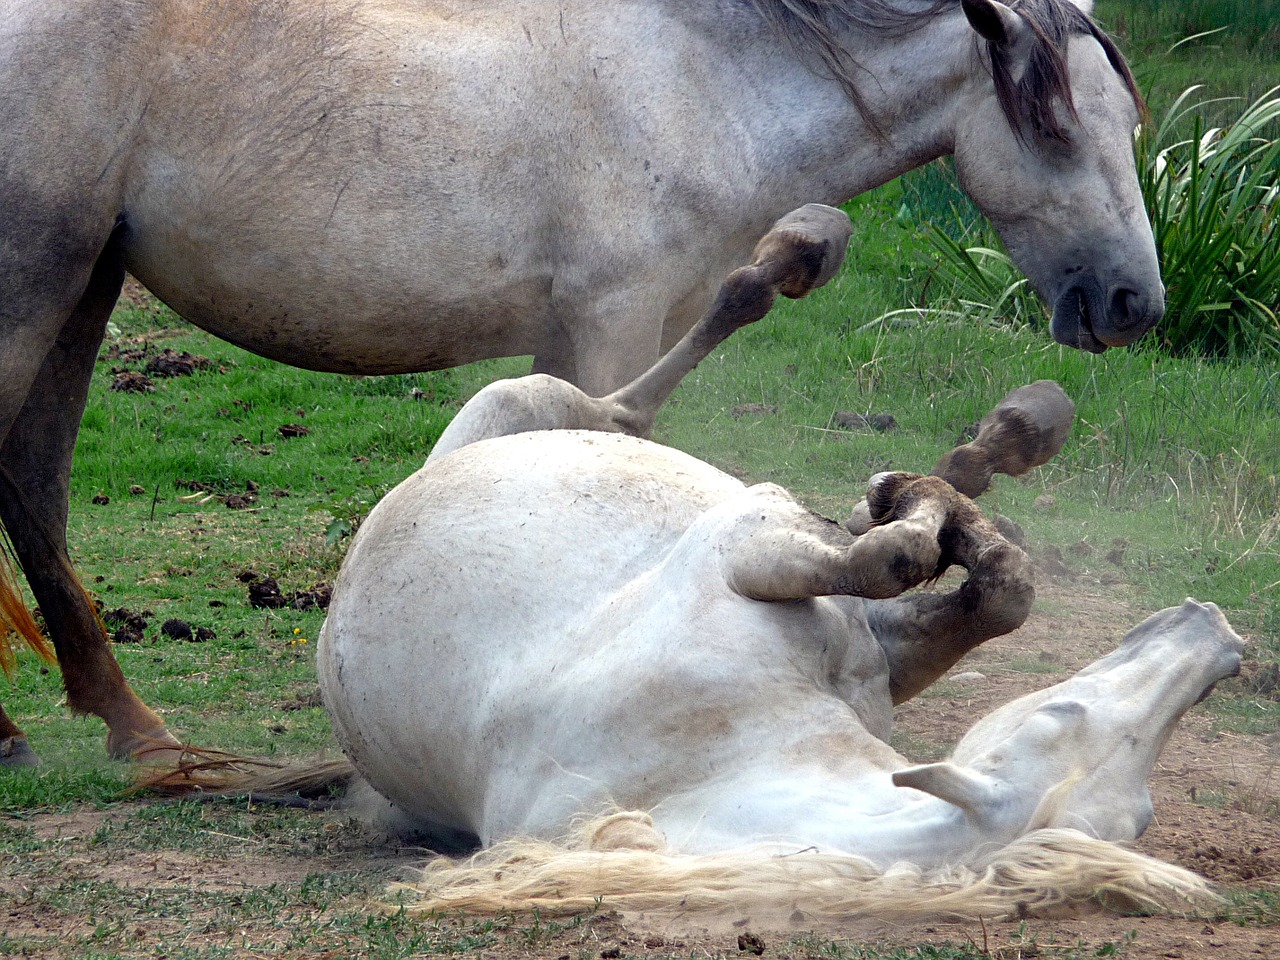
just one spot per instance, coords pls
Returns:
(813, 28)
(1029, 102)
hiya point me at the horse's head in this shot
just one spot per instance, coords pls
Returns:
(1047, 154)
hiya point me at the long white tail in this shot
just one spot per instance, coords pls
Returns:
(1044, 872)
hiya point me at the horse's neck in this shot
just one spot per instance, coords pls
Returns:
(824, 149)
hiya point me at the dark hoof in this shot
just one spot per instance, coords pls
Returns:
(16, 752)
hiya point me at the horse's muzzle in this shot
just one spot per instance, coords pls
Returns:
(1085, 318)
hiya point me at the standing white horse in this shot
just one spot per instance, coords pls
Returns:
(374, 186)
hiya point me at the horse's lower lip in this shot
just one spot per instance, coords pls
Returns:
(1072, 320)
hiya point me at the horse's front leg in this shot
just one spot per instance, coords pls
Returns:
(774, 549)
(1025, 429)
(924, 634)
(35, 471)
(605, 333)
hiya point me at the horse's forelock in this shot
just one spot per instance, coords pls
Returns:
(1029, 103)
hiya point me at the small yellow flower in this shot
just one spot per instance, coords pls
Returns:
(296, 631)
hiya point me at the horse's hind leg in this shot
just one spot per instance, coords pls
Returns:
(1025, 430)
(35, 471)
(924, 634)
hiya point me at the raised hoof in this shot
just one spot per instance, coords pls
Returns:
(16, 752)
(157, 745)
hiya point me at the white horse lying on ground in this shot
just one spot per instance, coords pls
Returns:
(574, 632)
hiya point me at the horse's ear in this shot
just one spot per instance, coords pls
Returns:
(993, 20)
(973, 792)
(1084, 6)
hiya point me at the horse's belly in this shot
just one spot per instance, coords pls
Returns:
(403, 189)
(537, 626)
(318, 302)
(471, 587)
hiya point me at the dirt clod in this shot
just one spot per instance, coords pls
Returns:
(171, 363)
(176, 629)
(317, 598)
(130, 381)
(879, 422)
(239, 501)
(265, 594)
(128, 625)
(1115, 555)
(1052, 563)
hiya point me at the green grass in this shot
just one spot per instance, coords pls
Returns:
(1231, 46)
(1214, 200)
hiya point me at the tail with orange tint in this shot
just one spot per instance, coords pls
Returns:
(17, 625)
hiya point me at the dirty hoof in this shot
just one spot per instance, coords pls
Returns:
(16, 752)
(157, 745)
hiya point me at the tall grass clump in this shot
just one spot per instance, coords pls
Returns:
(1213, 195)
(1246, 24)
(972, 276)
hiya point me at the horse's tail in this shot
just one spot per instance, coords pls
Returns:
(214, 773)
(17, 625)
(614, 862)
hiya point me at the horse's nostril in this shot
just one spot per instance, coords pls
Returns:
(1130, 309)
(1126, 305)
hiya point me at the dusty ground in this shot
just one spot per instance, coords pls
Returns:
(1217, 797)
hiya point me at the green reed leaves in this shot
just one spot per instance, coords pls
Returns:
(1213, 195)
